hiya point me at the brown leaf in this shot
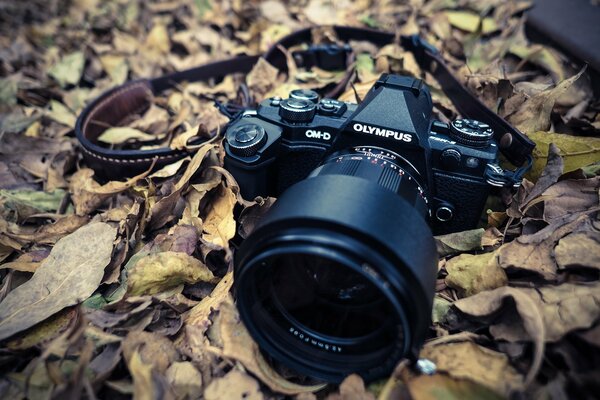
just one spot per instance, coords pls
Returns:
(534, 114)
(88, 195)
(459, 242)
(219, 223)
(185, 380)
(442, 387)
(571, 196)
(69, 275)
(552, 171)
(467, 360)
(234, 385)
(239, 346)
(471, 274)
(262, 79)
(162, 271)
(578, 250)
(352, 388)
(154, 350)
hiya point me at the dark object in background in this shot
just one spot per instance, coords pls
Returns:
(571, 25)
(339, 275)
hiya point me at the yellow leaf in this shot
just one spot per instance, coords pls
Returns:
(116, 67)
(162, 271)
(158, 39)
(577, 151)
(470, 274)
(60, 113)
(122, 134)
(219, 224)
(470, 22)
(69, 69)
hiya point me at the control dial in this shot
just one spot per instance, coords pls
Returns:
(471, 132)
(305, 94)
(245, 140)
(297, 110)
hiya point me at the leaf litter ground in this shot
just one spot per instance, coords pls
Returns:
(120, 289)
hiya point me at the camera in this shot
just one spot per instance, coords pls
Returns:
(339, 275)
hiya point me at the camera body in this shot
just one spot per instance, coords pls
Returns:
(283, 141)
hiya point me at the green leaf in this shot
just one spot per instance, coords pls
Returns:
(8, 91)
(68, 70)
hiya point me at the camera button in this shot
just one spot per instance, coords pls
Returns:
(450, 159)
(444, 213)
(245, 140)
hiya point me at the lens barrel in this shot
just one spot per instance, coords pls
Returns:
(339, 276)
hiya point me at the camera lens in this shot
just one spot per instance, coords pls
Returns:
(339, 276)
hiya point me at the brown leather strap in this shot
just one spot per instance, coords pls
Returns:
(115, 105)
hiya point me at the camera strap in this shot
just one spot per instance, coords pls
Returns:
(116, 105)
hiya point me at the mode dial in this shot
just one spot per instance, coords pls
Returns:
(245, 140)
(305, 94)
(471, 132)
(297, 110)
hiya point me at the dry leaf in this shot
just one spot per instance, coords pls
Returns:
(442, 387)
(579, 250)
(467, 360)
(562, 309)
(219, 223)
(471, 274)
(69, 275)
(352, 388)
(162, 271)
(234, 385)
(534, 114)
(239, 346)
(185, 380)
(459, 242)
(123, 134)
(471, 22)
(262, 79)
(68, 71)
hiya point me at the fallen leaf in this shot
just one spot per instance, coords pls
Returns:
(219, 223)
(154, 350)
(262, 78)
(552, 171)
(123, 134)
(68, 70)
(570, 197)
(60, 113)
(543, 314)
(43, 332)
(185, 380)
(158, 39)
(239, 346)
(442, 387)
(234, 385)
(352, 388)
(459, 242)
(578, 250)
(467, 360)
(69, 275)
(471, 274)
(576, 151)
(471, 22)
(162, 271)
(534, 114)
(116, 67)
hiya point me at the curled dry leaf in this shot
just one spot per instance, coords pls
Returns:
(352, 388)
(262, 79)
(239, 346)
(579, 250)
(442, 387)
(471, 274)
(534, 114)
(219, 223)
(154, 350)
(459, 242)
(234, 385)
(185, 380)
(69, 275)
(467, 360)
(158, 272)
(88, 195)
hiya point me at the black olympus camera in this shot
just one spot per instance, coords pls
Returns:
(339, 275)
